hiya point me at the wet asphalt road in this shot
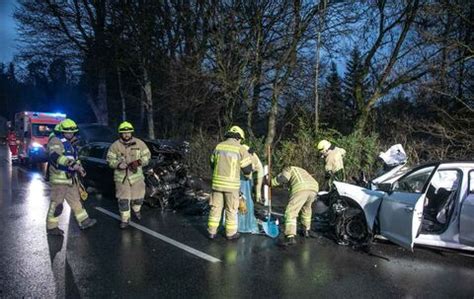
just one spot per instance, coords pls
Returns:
(108, 262)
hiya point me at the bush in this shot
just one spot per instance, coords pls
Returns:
(298, 150)
(301, 151)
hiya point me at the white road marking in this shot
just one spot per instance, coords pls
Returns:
(164, 238)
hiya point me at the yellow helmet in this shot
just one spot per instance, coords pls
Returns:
(125, 127)
(68, 126)
(238, 130)
(323, 145)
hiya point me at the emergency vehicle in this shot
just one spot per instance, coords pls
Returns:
(33, 130)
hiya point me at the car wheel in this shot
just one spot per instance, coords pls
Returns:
(351, 228)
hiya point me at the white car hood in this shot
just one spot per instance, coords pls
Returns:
(368, 200)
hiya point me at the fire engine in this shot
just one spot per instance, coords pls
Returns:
(33, 130)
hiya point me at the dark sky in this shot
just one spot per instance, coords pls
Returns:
(7, 30)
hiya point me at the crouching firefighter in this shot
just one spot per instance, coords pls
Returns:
(303, 189)
(64, 168)
(334, 163)
(228, 158)
(127, 156)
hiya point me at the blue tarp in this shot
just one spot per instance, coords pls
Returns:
(248, 221)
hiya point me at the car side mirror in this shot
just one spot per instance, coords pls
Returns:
(385, 187)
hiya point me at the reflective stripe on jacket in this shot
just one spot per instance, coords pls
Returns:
(228, 158)
(297, 178)
(128, 152)
(61, 154)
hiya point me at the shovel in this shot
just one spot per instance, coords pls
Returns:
(270, 226)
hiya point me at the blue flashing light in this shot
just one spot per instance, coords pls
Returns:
(58, 114)
(36, 145)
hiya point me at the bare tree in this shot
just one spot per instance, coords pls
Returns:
(70, 28)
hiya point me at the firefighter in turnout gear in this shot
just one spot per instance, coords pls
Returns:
(334, 164)
(257, 175)
(227, 160)
(303, 189)
(64, 169)
(127, 156)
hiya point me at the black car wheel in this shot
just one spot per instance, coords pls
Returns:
(351, 227)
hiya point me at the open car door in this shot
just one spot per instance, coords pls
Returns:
(401, 210)
(466, 227)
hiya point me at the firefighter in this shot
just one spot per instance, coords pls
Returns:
(334, 164)
(257, 174)
(127, 156)
(55, 131)
(12, 142)
(227, 160)
(64, 169)
(303, 189)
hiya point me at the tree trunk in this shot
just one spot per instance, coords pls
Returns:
(252, 113)
(272, 118)
(122, 98)
(99, 106)
(316, 84)
(317, 67)
(148, 103)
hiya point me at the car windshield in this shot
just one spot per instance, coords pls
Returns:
(42, 130)
(415, 181)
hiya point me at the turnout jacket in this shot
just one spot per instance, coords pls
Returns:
(297, 178)
(62, 154)
(133, 150)
(334, 160)
(227, 160)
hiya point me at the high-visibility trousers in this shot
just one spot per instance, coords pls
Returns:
(59, 193)
(299, 202)
(218, 201)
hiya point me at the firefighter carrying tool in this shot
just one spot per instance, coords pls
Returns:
(63, 167)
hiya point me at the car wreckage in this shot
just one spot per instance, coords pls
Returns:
(430, 205)
(167, 179)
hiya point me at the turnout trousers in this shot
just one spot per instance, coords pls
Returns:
(230, 202)
(59, 193)
(299, 202)
(129, 195)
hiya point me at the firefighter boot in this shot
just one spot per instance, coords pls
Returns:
(55, 231)
(233, 237)
(88, 222)
(138, 215)
(287, 241)
(124, 224)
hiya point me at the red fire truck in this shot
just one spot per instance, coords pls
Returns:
(33, 130)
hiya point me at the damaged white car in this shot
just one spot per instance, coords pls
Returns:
(432, 205)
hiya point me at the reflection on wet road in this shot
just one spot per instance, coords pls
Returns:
(108, 262)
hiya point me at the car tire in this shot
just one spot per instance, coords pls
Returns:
(351, 228)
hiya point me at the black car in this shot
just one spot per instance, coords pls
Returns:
(168, 184)
(95, 133)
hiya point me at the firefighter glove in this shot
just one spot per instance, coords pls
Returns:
(133, 166)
